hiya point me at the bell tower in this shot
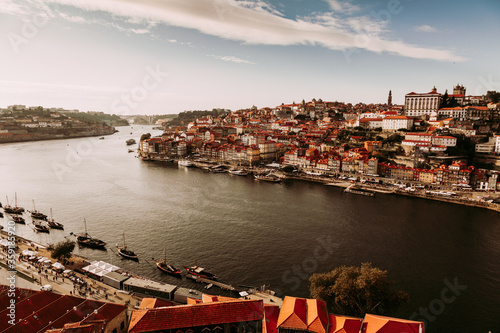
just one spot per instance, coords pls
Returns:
(389, 99)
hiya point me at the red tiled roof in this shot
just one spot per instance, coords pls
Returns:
(342, 324)
(183, 316)
(271, 318)
(317, 316)
(293, 314)
(380, 324)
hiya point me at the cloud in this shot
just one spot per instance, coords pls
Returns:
(342, 7)
(231, 59)
(424, 28)
(12, 8)
(262, 25)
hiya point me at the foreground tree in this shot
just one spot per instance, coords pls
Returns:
(355, 291)
(63, 249)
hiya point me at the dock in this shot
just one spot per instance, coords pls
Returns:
(221, 285)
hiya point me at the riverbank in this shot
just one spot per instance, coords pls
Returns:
(44, 137)
(465, 198)
(74, 281)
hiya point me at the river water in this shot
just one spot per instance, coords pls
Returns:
(253, 233)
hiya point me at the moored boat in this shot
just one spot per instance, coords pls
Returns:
(40, 227)
(86, 240)
(13, 209)
(18, 219)
(130, 142)
(268, 178)
(238, 172)
(53, 224)
(200, 272)
(166, 267)
(186, 163)
(125, 252)
(37, 214)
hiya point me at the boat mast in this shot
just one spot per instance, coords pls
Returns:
(85, 223)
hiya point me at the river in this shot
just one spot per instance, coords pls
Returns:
(253, 233)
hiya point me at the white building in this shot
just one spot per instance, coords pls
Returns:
(458, 112)
(394, 123)
(419, 104)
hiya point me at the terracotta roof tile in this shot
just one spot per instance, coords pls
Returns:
(196, 315)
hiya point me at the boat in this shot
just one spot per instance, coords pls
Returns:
(86, 240)
(186, 163)
(126, 253)
(218, 170)
(1, 214)
(130, 150)
(268, 178)
(40, 227)
(166, 267)
(13, 209)
(53, 224)
(101, 138)
(357, 190)
(130, 142)
(200, 272)
(18, 219)
(238, 172)
(37, 214)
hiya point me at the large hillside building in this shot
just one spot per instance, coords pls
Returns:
(419, 104)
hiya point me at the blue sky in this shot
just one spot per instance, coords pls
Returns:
(156, 57)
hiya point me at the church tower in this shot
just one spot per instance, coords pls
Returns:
(389, 99)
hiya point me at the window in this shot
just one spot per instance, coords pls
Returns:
(122, 325)
(114, 330)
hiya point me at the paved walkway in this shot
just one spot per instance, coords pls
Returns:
(79, 285)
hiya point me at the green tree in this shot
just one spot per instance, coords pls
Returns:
(63, 249)
(355, 291)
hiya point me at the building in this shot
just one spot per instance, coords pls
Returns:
(421, 104)
(231, 316)
(394, 123)
(40, 311)
(381, 324)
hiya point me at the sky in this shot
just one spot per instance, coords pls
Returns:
(166, 56)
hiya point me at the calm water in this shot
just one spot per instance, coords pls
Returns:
(253, 233)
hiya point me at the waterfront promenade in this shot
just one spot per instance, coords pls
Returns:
(31, 276)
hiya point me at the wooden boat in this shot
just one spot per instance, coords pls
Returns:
(37, 214)
(53, 224)
(86, 240)
(18, 219)
(130, 142)
(198, 271)
(13, 209)
(238, 172)
(166, 267)
(268, 178)
(40, 227)
(126, 253)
